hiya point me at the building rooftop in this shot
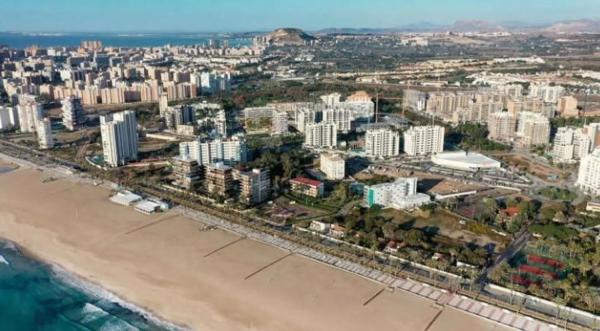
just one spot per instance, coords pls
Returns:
(468, 158)
(306, 181)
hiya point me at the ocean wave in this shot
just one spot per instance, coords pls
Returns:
(102, 293)
(3, 260)
(91, 313)
(9, 245)
(117, 324)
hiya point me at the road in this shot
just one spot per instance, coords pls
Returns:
(294, 243)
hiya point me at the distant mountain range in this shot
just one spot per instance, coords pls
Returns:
(573, 26)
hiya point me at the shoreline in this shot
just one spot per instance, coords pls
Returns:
(159, 264)
(92, 288)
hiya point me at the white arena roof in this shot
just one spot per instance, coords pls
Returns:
(461, 160)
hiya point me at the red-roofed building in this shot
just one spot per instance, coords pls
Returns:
(508, 214)
(306, 186)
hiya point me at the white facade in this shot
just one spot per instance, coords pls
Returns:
(382, 142)
(44, 134)
(8, 118)
(545, 92)
(533, 129)
(119, 138)
(333, 166)
(321, 135)
(464, 161)
(401, 194)
(304, 117)
(592, 130)
(340, 117)
(179, 115)
(570, 144)
(72, 113)
(331, 100)
(221, 123)
(588, 179)
(424, 140)
(279, 122)
(29, 114)
(232, 150)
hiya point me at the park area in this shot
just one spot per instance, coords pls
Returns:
(447, 224)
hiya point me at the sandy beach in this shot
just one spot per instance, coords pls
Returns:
(171, 266)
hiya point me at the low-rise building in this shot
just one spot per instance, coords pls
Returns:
(306, 186)
(401, 194)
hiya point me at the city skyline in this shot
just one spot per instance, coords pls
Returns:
(237, 15)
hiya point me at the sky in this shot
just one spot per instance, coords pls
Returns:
(262, 15)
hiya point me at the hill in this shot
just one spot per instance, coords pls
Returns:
(289, 36)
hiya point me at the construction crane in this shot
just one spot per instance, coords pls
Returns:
(377, 105)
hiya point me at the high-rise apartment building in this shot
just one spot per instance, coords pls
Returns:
(72, 113)
(8, 118)
(588, 179)
(254, 185)
(321, 135)
(179, 115)
(567, 107)
(502, 126)
(382, 142)
(30, 112)
(341, 117)
(218, 179)
(533, 129)
(44, 133)
(333, 166)
(188, 173)
(279, 122)
(230, 151)
(424, 140)
(570, 144)
(119, 138)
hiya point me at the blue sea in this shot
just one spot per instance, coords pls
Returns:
(35, 296)
(23, 40)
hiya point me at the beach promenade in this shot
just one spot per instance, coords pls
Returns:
(200, 277)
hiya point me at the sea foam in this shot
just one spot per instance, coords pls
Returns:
(3, 260)
(102, 293)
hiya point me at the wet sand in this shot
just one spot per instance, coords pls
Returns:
(159, 262)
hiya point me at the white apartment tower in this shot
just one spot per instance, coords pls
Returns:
(501, 126)
(30, 112)
(570, 144)
(588, 179)
(72, 113)
(230, 151)
(8, 118)
(119, 138)
(44, 134)
(221, 123)
(341, 117)
(333, 166)
(533, 129)
(382, 142)
(163, 104)
(321, 135)
(279, 122)
(424, 140)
